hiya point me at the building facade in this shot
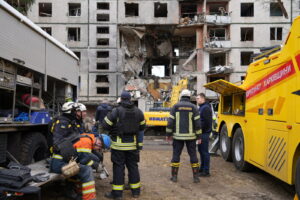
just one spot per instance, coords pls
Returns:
(147, 45)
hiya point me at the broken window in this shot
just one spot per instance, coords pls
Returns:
(217, 59)
(176, 52)
(102, 17)
(47, 30)
(160, 9)
(102, 90)
(276, 33)
(175, 67)
(102, 54)
(217, 9)
(103, 42)
(246, 34)
(215, 78)
(188, 10)
(158, 70)
(102, 66)
(73, 34)
(246, 57)
(103, 6)
(103, 30)
(247, 9)
(45, 9)
(102, 79)
(74, 9)
(131, 9)
(216, 34)
(78, 54)
(275, 9)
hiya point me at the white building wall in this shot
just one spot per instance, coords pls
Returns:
(261, 23)
(146, 12)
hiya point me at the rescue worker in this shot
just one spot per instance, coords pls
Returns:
(84, 180)
(206, 125)
(64, 126)
(185, 126)
(80, 116)
(124, 124)
(65, 134)
(102, 110)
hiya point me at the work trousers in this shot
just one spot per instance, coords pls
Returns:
(130, 158)
(85, 176)
(177, 149)
(204, 154)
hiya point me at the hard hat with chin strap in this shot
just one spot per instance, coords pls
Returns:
(80, 107)
(68, 107)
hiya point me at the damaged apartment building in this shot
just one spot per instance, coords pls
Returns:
(146, 46)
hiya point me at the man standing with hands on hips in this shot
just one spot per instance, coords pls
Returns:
(206, 125)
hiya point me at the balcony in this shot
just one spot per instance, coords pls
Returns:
(218, 44)
(201, 18)
(217, 19)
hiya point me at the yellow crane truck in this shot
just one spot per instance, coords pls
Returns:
(259, 121)
(156, 118)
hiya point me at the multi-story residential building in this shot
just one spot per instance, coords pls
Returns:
(121, 41)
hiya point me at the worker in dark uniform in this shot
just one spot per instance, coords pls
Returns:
(102, 110)
(124, 124)
(206, 125)
(64, 126)
(80, 115)
(185, 126)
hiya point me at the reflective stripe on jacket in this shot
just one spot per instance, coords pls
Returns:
(184, 121)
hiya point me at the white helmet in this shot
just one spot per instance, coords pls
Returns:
(67, 107)
(81, 107)
(185, 93)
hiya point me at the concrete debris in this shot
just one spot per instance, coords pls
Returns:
(220, 70)
(164, 48)
(192, 56)
(137, 84)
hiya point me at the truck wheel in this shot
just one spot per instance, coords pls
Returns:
(238, 151)
(33, 148)
(225, 144)
(297, 178)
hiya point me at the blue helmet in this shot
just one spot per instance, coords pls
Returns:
(106, 140)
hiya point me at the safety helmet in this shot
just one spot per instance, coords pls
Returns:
(106, 141)
(81, 107)
(68, 107)
(185, 93)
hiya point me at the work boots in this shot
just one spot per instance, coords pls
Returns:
(174, 173)
(196, 174)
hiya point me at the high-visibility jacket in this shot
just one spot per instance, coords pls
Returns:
(125, 125)
(84, 149)
(184, 121)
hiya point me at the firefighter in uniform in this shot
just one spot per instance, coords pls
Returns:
(124, 124)
(185, 126)
(80, 115)
(65, 135)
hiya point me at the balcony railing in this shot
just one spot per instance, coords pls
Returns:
(218, 42)
(201, 18)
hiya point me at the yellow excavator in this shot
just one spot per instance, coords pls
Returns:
(156, 118)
